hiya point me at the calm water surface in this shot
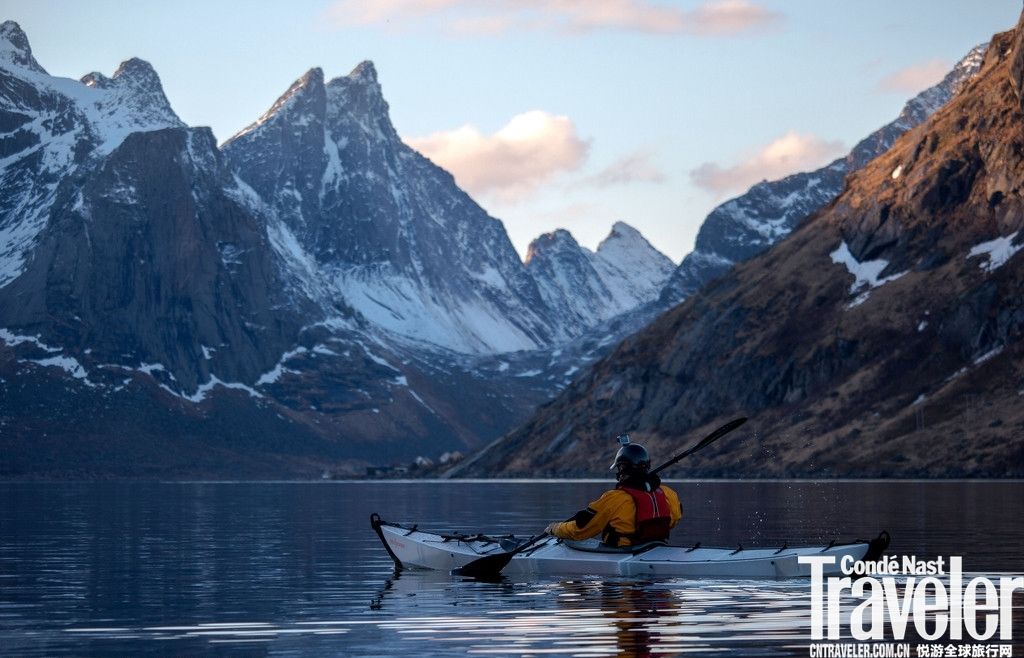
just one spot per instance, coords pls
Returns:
(294, 569)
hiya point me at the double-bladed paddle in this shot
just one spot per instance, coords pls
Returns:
(489, 566)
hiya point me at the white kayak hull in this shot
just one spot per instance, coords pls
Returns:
(410, 547)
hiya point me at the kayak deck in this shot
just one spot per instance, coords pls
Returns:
(411, 547)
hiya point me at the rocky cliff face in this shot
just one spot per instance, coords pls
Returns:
(53, 127)
(747, 225)
(101, 277)
(315, 296)
(880, 338)
(126, 239)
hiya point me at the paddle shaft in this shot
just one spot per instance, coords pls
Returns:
(709, 439)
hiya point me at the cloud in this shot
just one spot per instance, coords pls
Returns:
(633, 168)
(473, 17)
(916, 78)
(789, 154)
(728, 17)
(528, 151)
(370, 12)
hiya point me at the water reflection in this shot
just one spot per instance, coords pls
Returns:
(638, 613)
(598, 618)
(279, 568)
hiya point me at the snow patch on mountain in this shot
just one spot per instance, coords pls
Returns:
(13, 340)
(867, 274)
(65, 363)
(470, 323)
(271, 376)
(997, 251)
(204, 389)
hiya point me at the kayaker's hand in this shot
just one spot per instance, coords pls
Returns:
(551, 528)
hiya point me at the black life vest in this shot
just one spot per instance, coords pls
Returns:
(653, 516)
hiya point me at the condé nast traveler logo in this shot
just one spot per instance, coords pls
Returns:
(931, 596)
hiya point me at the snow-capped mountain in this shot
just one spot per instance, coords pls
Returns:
(390, 232)
(587, 288)
(125, 241)
(52, 127)
(747, 225)
(634, 271)
(313, 295)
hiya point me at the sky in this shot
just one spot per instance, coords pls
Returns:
(555, 113)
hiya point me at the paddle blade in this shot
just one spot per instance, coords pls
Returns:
(486, 567)
(490, 566)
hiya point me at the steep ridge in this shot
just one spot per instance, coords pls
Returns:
(390, 231)
(877, 339)
(747, 225)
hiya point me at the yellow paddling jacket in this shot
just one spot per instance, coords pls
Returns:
(614, 516)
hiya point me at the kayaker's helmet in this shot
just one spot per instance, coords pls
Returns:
(631, 458)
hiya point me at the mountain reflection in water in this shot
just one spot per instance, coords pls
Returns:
(263, 568)
(600, 618)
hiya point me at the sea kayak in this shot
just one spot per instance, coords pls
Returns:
(409, 546)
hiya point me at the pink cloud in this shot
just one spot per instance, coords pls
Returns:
(916, 78)
(728, 17)
(473, 17)
(789, 154)
(633, 168)
(531, 149)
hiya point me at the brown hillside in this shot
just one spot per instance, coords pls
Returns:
(922, 376)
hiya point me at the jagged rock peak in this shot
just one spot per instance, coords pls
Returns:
(96, 79)
(136, 73)
(310, 81)
(134, 89)
(557, 240)
(623, 231)
(15, 49)
(969, 65)
(314, 76)
(364, 72)
(625, 243)
(361, 89)
(623, 227)
(305, 91)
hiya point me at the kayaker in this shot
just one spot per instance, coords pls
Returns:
(638, 510)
